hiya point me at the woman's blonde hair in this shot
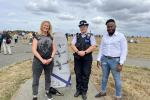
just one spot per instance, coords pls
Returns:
(50, 31)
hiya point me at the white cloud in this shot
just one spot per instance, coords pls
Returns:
(42, 7)
(11, 15)
(65, 17)
(49, 6)
(98, 20)
(124, 8)
(121, 15)
(131, 16)
(33, 7)
(85, 4)
(79, 1)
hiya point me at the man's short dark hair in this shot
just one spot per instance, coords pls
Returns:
(110, 20)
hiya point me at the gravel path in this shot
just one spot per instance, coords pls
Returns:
(21, 51)
(129, 61)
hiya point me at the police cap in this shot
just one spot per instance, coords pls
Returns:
(83, 22)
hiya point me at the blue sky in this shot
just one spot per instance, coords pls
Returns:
(132, 16)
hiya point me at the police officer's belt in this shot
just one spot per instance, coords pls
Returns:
(108, 57)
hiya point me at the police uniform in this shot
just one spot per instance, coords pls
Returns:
(82, 65)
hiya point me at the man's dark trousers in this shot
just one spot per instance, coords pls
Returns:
(82, 68)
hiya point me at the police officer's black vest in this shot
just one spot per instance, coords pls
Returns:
(83, 43)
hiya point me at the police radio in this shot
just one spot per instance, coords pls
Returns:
(77, 35)
(88, 36)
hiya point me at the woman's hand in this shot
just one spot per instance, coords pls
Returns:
(81, 53)
(44, 61)
(48, 61)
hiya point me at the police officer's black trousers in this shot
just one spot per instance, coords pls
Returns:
(82, 68)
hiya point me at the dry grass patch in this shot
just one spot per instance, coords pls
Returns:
(24, 40)
(135, 82)
(68, 43)
(13, 76)
(72, 67)
(141, 50)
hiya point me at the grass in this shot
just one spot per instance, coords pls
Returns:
(18, 51)
(12, 46)
(13, 76)
(141, 50)
(135, 82)
(29, 52)
(24, 40)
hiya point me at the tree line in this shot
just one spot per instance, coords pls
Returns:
(19, 31)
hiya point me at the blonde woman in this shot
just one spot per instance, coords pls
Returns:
(44, 51)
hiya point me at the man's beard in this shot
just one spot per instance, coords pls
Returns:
(112, 32)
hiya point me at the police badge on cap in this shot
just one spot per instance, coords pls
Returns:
(83, 22)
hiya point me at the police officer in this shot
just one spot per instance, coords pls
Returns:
(83, 44)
